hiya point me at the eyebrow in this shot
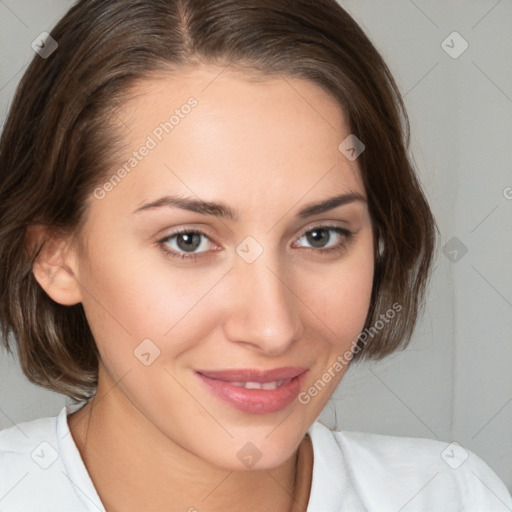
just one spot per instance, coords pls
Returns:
(224, 211)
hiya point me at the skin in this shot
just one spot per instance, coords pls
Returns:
(266, 149)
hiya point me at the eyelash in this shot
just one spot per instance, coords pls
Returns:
(345, 233)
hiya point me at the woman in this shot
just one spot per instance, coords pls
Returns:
(205, 208)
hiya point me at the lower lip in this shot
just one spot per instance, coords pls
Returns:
(256, 401)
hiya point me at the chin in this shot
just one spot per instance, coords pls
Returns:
(254, 450)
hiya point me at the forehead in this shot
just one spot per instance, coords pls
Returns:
(210, 130)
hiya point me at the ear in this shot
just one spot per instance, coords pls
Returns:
(55, 268)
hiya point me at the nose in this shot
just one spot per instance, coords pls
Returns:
(264, 311)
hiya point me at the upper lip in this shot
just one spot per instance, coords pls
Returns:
(253, 375)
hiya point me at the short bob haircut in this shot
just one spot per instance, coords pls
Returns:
(58, 139)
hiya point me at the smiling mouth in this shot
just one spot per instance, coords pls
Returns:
(255, 391)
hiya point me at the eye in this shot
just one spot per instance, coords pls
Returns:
(184, 243)
(186, 240)
(320, 236)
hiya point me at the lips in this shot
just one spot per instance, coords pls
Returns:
(255, 391)
(250, 375)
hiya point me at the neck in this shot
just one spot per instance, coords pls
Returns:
(134, 466)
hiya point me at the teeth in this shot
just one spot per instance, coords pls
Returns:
(258, 385)
(252, 385)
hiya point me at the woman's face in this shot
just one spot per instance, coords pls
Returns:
(259, 287)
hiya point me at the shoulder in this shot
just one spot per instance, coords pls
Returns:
(32, 474)
(391, 472)
(19, 439)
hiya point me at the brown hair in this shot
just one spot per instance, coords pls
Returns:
(57, 145)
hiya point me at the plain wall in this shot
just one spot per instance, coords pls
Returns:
(454, 382)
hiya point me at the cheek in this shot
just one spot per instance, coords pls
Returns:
(136, 294)
(341, 297)
(133, 294)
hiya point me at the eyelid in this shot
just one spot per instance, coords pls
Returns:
(341, 230)
(326, 224)
(184, 255)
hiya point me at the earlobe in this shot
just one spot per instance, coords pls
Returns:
(55, 267)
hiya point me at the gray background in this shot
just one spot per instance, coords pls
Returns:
(454, 382)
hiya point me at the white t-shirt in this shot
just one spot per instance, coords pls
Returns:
(41, 470)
